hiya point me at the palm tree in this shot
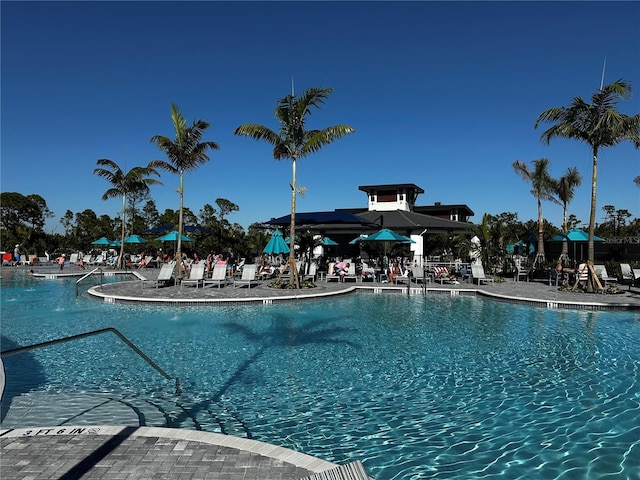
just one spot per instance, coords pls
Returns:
(135, 181)
(564, 188)
(185, 153)
(542, 188)
(294, 142)
(599, 125)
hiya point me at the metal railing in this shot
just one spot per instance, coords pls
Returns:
(87, 276)
(128, 342)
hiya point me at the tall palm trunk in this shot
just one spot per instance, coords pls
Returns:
(540, 254)
(293, 271)
(592, 215)
(121, 256)
(180, 220)
(564, 254)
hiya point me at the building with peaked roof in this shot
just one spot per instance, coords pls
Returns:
(394, 206)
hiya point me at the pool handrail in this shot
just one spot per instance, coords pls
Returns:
(88, 275)
(128, 342)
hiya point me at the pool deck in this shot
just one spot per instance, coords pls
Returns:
(101, 452)
(534, 293)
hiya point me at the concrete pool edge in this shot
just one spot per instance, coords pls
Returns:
(264, 299)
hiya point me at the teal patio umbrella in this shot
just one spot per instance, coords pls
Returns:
(173, 237)
(575, 235)
(358, 239)
(276, 244)
(386, 236)
(134, 239)
(102, 241)
(327, 242)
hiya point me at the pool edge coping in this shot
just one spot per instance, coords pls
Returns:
(258, 447)
(378, 289)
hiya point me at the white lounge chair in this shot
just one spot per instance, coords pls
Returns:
(403, 277)
(196, 276)
(418, 275)
(165, 275)
(331, 274)
(626, 273)
(601, 272)
(218, 276)
(477, 275)
(351, 273)
(313, 270)
(248, 277)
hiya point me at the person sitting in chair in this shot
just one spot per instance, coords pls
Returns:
(368, 273)
(341, 269)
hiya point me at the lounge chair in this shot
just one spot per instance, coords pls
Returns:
(626, 273)
(351, 273)
(636, 277)
(196, 276)
(99, 260)
(601, 272)
(419, 274)
(630, 275)
(521, 272)
(331, 274)
(165, 275)
(313, 270)
(403, 277)
(248, 277)
(477, 275)
(442, 274)
(218, 276)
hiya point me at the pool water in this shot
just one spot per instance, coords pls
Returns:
(415, 387)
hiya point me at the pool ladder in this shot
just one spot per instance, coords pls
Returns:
(128, 342)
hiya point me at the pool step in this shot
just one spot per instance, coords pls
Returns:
(49, 409)
(46, 408)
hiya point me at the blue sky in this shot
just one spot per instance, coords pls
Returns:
(441, 94)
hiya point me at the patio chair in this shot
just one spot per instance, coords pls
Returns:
(442, 274)
(196, 276)
(478, 275)
(601, 272)
(248, 277)
(626, 273)
(404, 277)
(419, 275)
(636, 277)
(165, 275)
(351, 273)
(331, 275)
(313, 271)
(630, 275)
(218, 276)
(521, 272)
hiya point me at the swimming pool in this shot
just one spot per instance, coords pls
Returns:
(415, 387)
